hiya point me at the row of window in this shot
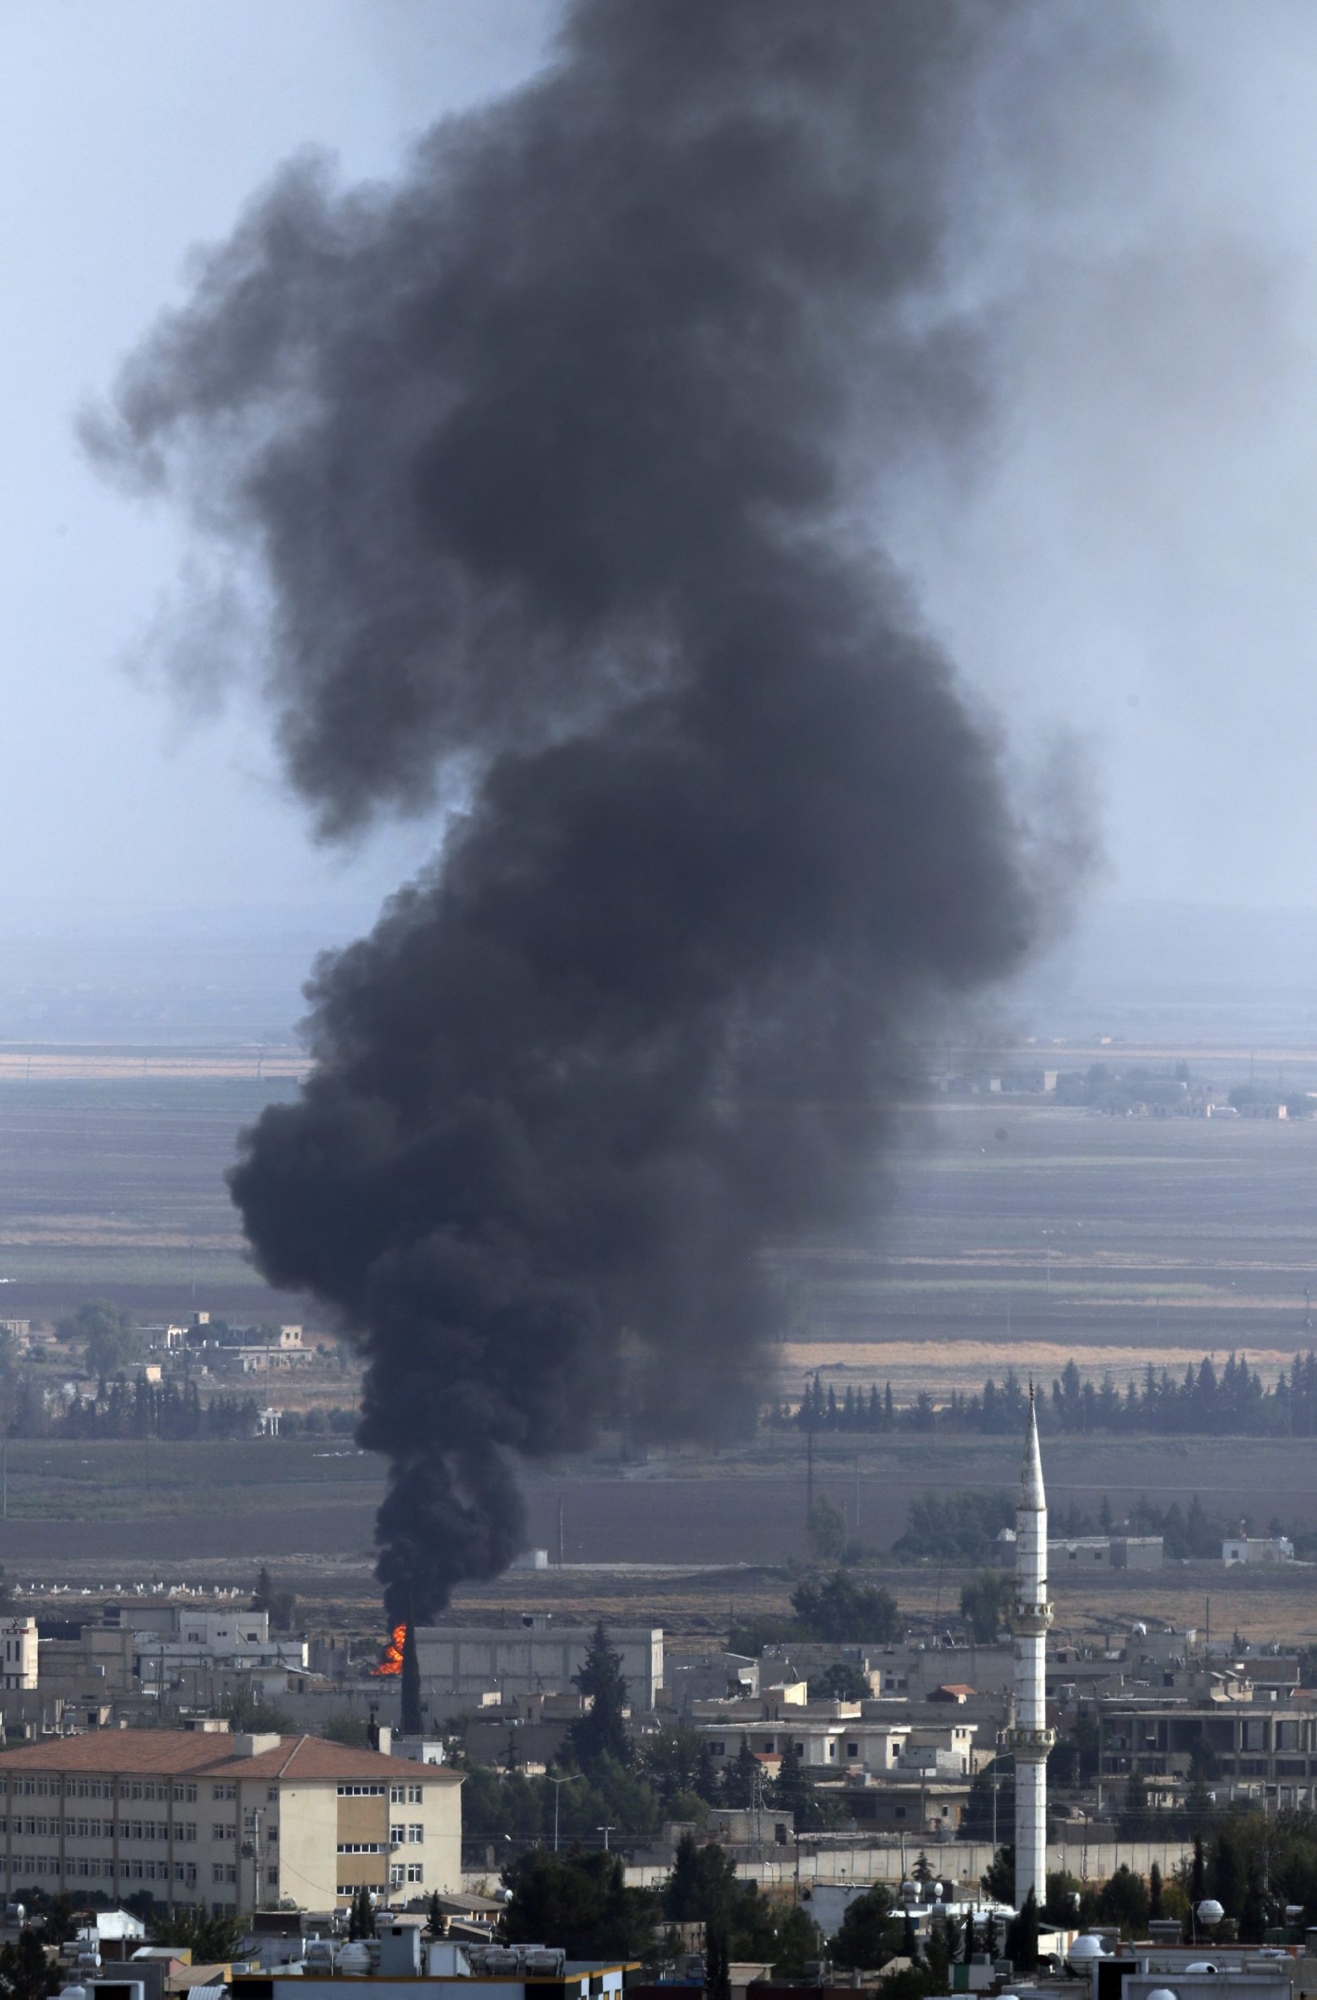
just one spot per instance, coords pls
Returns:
(102, 1788)
(96, 1829)
(361, 1791)
(361, 1847)
(97, 1788)
(410, 1835)
(28, 1867)
(405, 1795)
(398, 1876)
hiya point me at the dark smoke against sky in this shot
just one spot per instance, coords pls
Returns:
(549, 459)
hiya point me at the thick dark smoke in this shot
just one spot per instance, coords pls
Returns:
(550, 457)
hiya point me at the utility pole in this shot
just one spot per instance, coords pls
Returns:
(605, 1830)
(560, 1536)
(558, 1784)
(857, 1498)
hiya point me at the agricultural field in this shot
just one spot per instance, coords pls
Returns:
(1010, 1233)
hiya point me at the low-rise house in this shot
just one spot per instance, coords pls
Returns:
(1257, 1549)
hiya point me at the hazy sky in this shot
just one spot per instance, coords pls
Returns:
(1133, 557)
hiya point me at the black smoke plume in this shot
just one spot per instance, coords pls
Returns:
(551, 459)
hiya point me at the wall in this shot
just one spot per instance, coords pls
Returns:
(954, 1861)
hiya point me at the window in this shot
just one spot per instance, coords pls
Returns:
(222, 1792)
(358, 1792)
(395, 1875)
(415, 1835)
(135, 1791)
(272, 1795)
(852, 1749)
(900, 1812)
(189, 1831)
(396, 1794)
(361, 1847)
(415, 1872)
(220, 1831)
(414, 1795)
(716, 1750)
(397, 1835)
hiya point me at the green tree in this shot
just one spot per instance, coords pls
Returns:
(938, 1954)
(602, 1730)
(106, 1334)
(677, 1763)
(985, 1604)
(741, 1778)
(702, 1884)
(581, 1902)
(1022, 1936)
(717, 1967)
(25, 1972)
(795, 1792)
(1154, 1893)
(1062, 1897)
(212, 1940)
(1253, 1908)
(998, 1878)
(862, 1941)
(1133, 1820)
(1123, 1900)
(839, 1610)
(839, 1682)
(798, 1941)
(826, 1528)
(243, 1713)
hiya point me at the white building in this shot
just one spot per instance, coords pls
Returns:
(18, 1652)
(1029, 1738)
(834, 1738)
(1257, 1549)
(171, 1638)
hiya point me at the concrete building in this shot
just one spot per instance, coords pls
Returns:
(459, 1663)
(18, 1653)
(1255, 1749)
(1106, 1552)
(1029, 1738)
(225, 1823)
(1257, 1549)
(836, 1738)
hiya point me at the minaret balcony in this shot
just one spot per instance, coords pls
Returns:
(1028, 1621)
(1029, 1743)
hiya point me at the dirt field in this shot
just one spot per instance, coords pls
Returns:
(1165, 1239)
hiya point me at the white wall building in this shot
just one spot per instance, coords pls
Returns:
(18, 1652)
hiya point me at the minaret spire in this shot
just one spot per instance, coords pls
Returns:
(1030, 1739)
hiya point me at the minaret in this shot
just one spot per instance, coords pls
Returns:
(1031, 1739)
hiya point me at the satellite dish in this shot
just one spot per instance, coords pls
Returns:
(1210, 1911)
(1085, 1949)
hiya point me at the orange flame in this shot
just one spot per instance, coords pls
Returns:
(391, 1658)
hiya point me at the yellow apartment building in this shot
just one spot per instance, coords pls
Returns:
(226, 1823)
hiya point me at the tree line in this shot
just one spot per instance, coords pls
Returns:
(1232, 1401)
